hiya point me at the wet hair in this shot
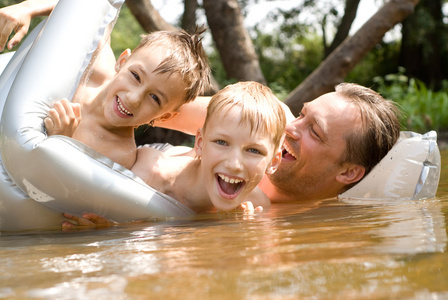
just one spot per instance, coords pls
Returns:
(186, 57)
(380, 129)
(261, 109)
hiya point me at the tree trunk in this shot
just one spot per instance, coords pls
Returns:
(232, 40)
(342, 60)
(148, 17)
(421, 49)
(189, 16)
(351, 7)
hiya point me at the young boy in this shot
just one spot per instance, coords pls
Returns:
(166, 70)
(238, 143)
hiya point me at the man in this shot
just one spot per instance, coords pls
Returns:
(336, 140)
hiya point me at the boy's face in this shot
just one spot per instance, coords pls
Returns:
(232, 159)
(137, 95)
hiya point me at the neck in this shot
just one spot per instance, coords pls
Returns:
(190, 187)
(277, 196)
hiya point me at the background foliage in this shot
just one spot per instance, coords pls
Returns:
(291, 49)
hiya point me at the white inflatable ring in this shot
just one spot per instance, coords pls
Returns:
(410, 171)
(57, 172)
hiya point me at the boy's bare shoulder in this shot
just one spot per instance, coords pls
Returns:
(148, 154)
(103, 69)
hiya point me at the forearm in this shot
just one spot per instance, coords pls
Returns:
(191, 117)
(36, 8)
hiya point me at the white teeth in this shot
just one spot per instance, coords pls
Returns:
(230, 180)
(122, 109)
(289, 150)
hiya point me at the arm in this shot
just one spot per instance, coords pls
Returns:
(18, 17)
(63, 118)
(192, 115)
(190, 118)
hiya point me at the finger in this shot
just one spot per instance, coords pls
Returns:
(248, 207)
(54, 116)
(49, 124)
(80, 221)
(5, 33)
(70, 217)
(77, 111)
(97, 220)
(67, 226)
(20, 33)
(69, 117)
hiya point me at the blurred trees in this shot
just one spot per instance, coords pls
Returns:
(241, 62)
(425, 44)
(304, 50)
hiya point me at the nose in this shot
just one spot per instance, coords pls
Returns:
(293, 129)
(234, 161)
(134, 97)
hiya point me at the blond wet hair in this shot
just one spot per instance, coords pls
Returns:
(260, 108)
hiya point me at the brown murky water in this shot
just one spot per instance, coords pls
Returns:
(326, 250)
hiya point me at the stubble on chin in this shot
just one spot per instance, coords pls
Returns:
(292, 183)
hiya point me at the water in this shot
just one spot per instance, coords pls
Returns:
(325, 250)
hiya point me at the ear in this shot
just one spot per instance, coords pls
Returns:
(275, 162)
(167, 116)
(122, 59)
(352, 173)
(198, 142)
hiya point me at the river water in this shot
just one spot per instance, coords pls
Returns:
(326, 250)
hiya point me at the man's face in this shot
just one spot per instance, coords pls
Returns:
(314, 145)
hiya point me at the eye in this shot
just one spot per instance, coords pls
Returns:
(314, 133)
(221, 142)
(156, 99)
(254, 151)
(300, 115)
(136, 76)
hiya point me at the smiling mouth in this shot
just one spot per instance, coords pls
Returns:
(121, 108)
(229, 187)
(287, 153)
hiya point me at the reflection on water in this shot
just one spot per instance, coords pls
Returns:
(326, 250)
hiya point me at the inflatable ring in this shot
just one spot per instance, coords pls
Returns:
(58, 172)
(409, 171)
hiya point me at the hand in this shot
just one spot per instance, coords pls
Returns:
(63, 118)
(88, 220)
(17, 18)
(248, 207)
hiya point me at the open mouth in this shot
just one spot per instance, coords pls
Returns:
(229, 187)
(287, 153)
(121, 108)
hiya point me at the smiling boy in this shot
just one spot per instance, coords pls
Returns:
(239, 142)
(166, 70)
